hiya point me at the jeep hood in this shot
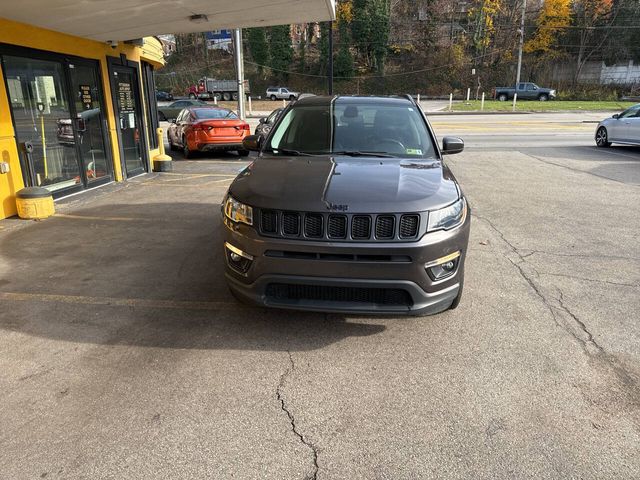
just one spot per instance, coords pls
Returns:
(345, 184)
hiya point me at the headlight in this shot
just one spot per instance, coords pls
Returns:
(448, 217)
(238, 212)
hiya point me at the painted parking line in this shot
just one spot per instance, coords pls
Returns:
(116, 302)
(90, 217)
(190, 185)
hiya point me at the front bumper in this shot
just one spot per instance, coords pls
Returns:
(332, 272)
(206, 147)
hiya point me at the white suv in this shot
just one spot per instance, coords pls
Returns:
(280, 93)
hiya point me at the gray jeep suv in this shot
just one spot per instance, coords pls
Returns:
(348, 208)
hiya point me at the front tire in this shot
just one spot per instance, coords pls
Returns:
(544, 97)
(502, 97)
(192, 96)
(602, 138)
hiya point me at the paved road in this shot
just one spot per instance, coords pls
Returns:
(124, 356)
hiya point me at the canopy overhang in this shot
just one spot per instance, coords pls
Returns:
(120, 20)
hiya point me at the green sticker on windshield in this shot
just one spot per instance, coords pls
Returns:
(414, 151)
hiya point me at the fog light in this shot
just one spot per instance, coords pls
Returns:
(237, 259)
(449, 266)
(443, 267)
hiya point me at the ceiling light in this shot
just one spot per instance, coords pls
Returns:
(199, 18)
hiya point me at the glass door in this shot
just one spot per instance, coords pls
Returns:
(89, 123)
(40, 107)
(129, 119)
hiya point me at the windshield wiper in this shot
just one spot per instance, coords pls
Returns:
(357, 153)
(295, 153)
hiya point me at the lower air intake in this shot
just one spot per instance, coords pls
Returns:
(322, 293)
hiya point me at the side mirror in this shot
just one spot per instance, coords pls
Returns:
(252, 143)
(616, 116)
(263, 120)
(451, 145)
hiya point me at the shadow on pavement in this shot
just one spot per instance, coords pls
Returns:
(143, 274)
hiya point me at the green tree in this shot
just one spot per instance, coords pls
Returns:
(343, 65)
(258, 47)
(370, 31)
(323, 47)
(302, 55)
(280, 50)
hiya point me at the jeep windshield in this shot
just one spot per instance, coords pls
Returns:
(377, 130)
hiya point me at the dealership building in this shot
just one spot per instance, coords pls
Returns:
(77, 84)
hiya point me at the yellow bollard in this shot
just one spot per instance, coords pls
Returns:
(161, 162)
(34, 203)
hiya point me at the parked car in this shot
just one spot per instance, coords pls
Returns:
(172, 110)
(526, 91)
(620, 128)
(162, 96)
(349, 207)
(266, 123)
(88, 127)
(281, 93)
(202, 129)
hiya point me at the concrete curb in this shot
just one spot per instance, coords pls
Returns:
(475, 112)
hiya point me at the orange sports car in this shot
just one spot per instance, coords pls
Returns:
(204, 128)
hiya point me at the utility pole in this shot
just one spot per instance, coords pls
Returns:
(524, 9)
(237, 49)
(330, 62)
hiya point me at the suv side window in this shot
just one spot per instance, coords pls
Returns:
(631, 112)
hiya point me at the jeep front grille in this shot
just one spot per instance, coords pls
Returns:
(409, 226)
(291, 223)
(337, 228)
(269, 221)
(342, 227)
(385, 227)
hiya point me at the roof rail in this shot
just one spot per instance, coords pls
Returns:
(409, 97)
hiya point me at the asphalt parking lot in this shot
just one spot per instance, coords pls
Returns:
(124, 355)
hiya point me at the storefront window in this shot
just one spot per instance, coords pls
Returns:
(57, 106)
(40, 108)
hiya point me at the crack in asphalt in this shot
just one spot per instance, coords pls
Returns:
(590, 340)
(292, 420)
(596, 351)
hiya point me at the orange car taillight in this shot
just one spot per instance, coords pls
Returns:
(202, 128)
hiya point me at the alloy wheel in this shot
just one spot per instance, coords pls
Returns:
(602, 138)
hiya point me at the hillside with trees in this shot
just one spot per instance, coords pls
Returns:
(428, 46)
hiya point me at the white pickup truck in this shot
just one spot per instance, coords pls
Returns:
(281, 93)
